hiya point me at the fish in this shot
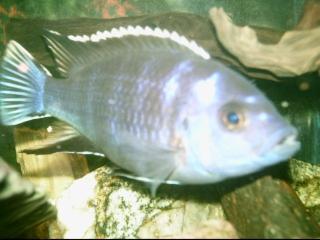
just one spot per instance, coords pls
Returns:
(152, 101)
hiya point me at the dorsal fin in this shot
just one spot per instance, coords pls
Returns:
(65, 52)
(71, 49)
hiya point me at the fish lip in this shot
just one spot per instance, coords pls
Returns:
(285, 137)
(289, 141)
(285, 146)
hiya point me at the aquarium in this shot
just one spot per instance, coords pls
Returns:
(159, 119)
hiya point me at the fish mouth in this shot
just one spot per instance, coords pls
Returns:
(283, 137)
(288, 140)
(283, 144)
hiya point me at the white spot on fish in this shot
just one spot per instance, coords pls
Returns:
(55, 32)
(23, 68)
(85, 38)
(170, 89)
(78, 38)
(72, 38)
(94, 38)
(172, 85)
(111, 101)
(284, 104)
(250, 99)
(112, 126)
(205, 89)
(263, 116)
(49, 129)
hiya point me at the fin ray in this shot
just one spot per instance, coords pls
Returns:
(21, 85)
(64, 54)
(13, 106)
(15, 93)
(22, 79)
(15, 86)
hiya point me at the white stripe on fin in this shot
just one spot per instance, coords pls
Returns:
(98, 154)
(139, 31)
(143, 179)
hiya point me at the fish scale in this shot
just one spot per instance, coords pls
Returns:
(124, 109)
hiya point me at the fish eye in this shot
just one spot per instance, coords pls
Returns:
(233, 118)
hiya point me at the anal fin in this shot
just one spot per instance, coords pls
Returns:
(63, 138)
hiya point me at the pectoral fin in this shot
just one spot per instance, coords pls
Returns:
(150, 163)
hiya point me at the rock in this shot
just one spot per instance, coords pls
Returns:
(114, 207)
(283, 58)
(306, 182)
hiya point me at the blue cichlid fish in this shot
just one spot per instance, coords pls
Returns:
(152, 101)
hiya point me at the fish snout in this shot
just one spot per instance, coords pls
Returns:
(285, 137)
(289, 137)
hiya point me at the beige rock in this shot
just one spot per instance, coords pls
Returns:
(100, 205)
(296, 53)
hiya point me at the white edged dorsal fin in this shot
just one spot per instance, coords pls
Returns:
(71, 49)
(65, 52)
(146, 32)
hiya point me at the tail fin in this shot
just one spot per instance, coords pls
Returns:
(22, 82)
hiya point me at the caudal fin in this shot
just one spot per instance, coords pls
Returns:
(22, 82)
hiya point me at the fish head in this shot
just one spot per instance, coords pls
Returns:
(233, 129)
